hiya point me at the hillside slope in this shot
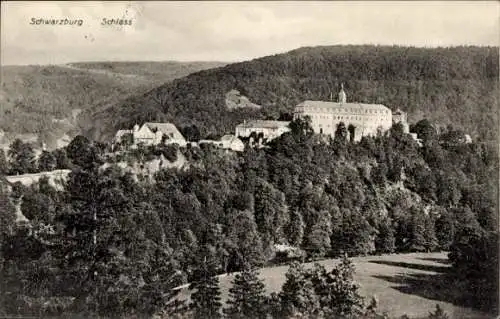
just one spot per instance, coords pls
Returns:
(410, 284)
(456, 86)
(42, 99)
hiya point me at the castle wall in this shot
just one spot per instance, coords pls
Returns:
(367, 120)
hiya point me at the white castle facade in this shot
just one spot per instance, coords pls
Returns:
(364, 119)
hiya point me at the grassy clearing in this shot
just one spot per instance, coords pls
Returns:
(409, 284)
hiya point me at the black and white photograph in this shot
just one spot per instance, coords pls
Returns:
(249, 159)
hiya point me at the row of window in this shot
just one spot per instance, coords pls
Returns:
(358, 118)
(341, 110)
(366, 130)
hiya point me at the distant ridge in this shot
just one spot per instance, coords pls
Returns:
(40, 99)
(453, 85)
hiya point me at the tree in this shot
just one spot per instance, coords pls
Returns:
(318, 237)
(474, 257)
(246, 296)
(127, 140)
(22, 158)
(7, 220)
(246, 243)
(417, 239)
(38, 207)
(355, 234)
(425, 131)
(102, 248)
(438, 313)
(47, 162)
(397, 131)
(62, 160)
(385, 241)
(379, 174)
(78, 145)
(295, 229)
(271, 213)
(337, 290)
(452, 138)
(431, 242)
(301, 129)
(206, 300)
(191, 133)
(297, 296)
(341, 133)
(340, 140)
(4, 165)
(445, 229)
(82, 153)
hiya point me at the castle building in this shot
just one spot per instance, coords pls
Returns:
(227, 142)
(267, 129)
(400, 117)
(359, 118)
(153, 134)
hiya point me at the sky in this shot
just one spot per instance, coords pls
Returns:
(233, 31)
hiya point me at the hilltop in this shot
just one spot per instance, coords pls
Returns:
(457, 86)
(46, 100)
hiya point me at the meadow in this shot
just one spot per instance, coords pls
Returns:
(410, 284)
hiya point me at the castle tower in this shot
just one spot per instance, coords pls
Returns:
(342, 95)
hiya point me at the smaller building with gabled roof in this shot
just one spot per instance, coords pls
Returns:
(264, 128)
(227, 142)
(151, 133)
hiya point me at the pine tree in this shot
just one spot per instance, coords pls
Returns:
(337, 291)
(295, 229)
(245, 239)
(416, 231)
(385, 241)
(297, 294)
(47, 162)
(431, 241)
(318, 241)
(438, 313)
(206, 300)
(345, 292)
(445, 230)
(22, 158)
(246, 296)
(4, 165)
(270, 212)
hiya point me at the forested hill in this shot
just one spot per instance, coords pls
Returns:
(43, 99)
(457, 86)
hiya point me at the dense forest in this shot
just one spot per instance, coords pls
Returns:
(457, 85)
(112, 243)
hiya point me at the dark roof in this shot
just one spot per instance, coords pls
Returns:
(327, 104)
(264, 124)
(163, 127)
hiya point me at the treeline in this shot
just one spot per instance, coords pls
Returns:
(21, 158)
(456, 86)
(114, 243)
